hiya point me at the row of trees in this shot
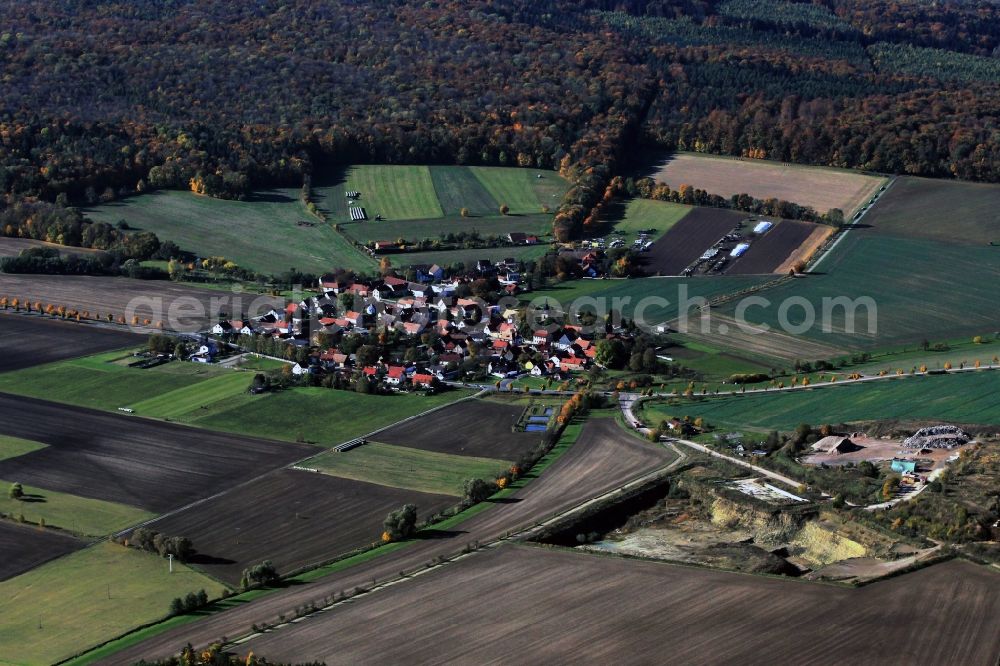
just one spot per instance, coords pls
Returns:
(152, 541)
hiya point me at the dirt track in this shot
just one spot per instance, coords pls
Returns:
(603, 458)
(32, 340)
(553, 606)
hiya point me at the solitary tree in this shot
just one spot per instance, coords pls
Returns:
(504, 209)
(16, 491)
(401, 523)
(477, 490)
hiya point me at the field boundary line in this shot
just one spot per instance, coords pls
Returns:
(292, 465)
(517, 535)
(854, 221)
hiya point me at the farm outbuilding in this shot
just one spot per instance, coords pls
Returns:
(739, 250)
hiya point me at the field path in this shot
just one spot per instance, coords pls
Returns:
(603, 458)
(628, 400)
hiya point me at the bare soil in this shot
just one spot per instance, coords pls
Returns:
(28, 340)
(24, 547)
(603, 458)
(148, 464)
(11, 247)
(688, 239)
(773, 249)
(555, 606)
(193, 307)
(482, 428)
(297, 519)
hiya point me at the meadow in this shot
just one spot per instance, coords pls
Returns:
(84, 516)
(61, 608)
(972, 398)
(271, 232)
(12, 447)
(321, 416)
(435, 229)
(101, 383)
(408, 468)
(637, 215)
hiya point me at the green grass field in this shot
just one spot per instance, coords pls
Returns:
(521, 189)
(961, 398)
(403, 467)
(324, 416)
(922, 289)
(262, 233)
(643, 214)
(469, 257)
(61, 608)
(393, 191)
(457, 188)
(98, 382)
(81, 515)
(12, 447)
(183, 401)
(415, 230)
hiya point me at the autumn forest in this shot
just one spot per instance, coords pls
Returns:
(105, 98)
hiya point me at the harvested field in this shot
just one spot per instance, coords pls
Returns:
(921, 288)
(751, 339)
(689, 238)
(551, 602)
(819, 187)
(155, 300)
(147, 464)
(297, 519)
(603, 457)
(478, 428)
(807, 248)
(33, 340)
(24, 547)
(941, 210)
(773, 249)
(11, 247)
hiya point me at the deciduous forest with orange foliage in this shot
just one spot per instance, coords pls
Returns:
(99, 99)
